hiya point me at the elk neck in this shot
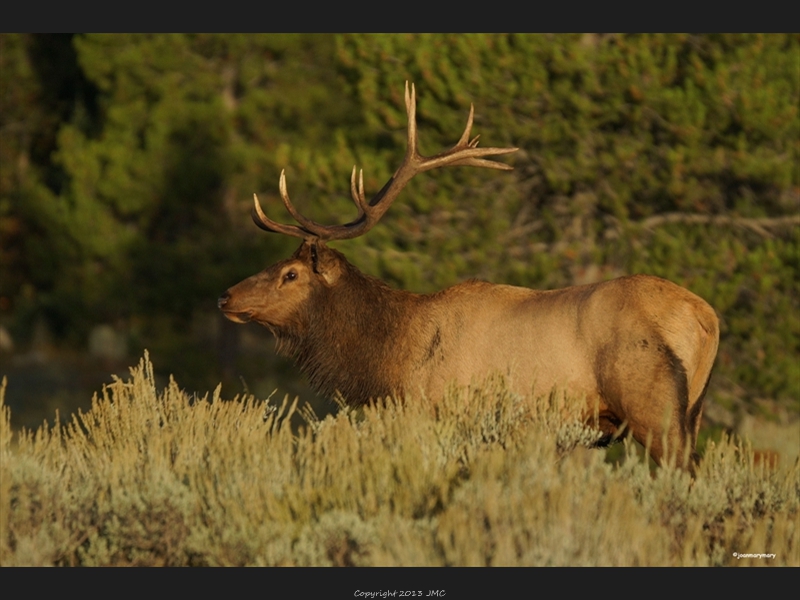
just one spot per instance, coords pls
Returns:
(356, 336)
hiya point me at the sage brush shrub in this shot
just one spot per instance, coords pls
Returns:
(483, 477)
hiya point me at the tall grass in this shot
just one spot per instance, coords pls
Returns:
(483, 477)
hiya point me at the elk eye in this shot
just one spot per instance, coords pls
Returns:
(290, 276)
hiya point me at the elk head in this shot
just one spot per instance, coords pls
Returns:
(279, 297)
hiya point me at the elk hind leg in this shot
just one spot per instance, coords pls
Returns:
(660, 414)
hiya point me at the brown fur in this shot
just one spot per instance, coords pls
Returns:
(638, 349)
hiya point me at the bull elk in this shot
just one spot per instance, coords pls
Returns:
(636, 349)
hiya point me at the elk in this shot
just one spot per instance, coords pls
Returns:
(638, 350)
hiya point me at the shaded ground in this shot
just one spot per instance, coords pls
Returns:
(38, 385)
(41, 382)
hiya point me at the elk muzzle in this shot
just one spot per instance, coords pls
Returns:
(233, 315)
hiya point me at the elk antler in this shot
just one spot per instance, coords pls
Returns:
(465, 152)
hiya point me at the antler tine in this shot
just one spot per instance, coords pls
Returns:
(288, 203)
(469, 156)
(412, 151)
(318, 230)
(358, 192)
(308, 229)
(267, 224)
(482, 162)
(468, 149)
(465, 136)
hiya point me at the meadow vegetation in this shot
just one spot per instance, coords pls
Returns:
(153, 476)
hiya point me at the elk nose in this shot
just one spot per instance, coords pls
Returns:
(223, 300)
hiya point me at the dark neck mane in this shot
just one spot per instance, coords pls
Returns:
(353, 338)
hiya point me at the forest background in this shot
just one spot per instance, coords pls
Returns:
(128, 164)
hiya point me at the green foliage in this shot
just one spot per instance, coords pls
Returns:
(136, 156)
(183, 135)
(484, 477)
(611, 128)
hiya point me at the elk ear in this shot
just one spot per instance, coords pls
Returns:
(326, 263)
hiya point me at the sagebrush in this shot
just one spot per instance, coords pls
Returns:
(484, 477)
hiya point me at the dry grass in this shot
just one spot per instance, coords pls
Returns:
(149, 477)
